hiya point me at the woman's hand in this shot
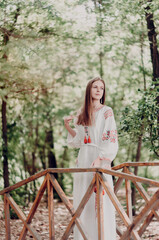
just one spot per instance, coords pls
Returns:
(96, 163)
(100, 163)
(67, 120)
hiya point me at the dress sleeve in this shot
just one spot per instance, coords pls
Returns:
(75, 141)
(108, 145)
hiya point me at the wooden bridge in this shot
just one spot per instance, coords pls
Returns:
(135, 226)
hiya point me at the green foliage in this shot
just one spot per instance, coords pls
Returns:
(140, 118)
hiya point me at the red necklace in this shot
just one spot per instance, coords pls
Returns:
(87, 138)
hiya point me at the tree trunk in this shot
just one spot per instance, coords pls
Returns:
(25, 169)
(142, 58)
(133, 193)
(152, 36)
(4, 116)
(5, 144)
(62, 165)
(98, 7)
(33, 163)
(138, 155)
(100, 33)
(50, 146)
(4, 129)
(42, 156)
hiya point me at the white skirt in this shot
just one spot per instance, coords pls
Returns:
(88, 217)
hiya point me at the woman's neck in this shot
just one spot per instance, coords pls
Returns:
(96, 104)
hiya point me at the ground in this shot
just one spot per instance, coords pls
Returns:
(62, 216)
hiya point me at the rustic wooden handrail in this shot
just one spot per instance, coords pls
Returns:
(135, 164)
(142, 220)
(75, 170)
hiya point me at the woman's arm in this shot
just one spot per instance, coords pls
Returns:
(67, 120)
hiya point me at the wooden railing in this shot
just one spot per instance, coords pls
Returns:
(142, 220)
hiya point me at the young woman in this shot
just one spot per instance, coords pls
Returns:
(96, 135)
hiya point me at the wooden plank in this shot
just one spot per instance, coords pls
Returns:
(128, 196)
(51, 210)
(102, 214)
(7, 218)
(98, 207)
(33, 209)
(110, 172)
(146, 223)
(153, 203)
(21, 216)
(118, 185)
(118, 206)
(129, 177)
(23, 182)
(135, 164)
(67, 203)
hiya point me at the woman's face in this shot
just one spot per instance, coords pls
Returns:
(97, 90)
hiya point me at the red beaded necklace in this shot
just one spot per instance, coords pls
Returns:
(87, 138)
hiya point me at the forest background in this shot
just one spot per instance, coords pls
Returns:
(49, 50)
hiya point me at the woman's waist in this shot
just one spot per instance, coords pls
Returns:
(89, 144)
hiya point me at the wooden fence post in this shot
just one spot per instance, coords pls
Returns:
(98, 207)
(7, 218)
(51, 210)
(128, 195)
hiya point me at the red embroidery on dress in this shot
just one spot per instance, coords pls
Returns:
(110, 135)
(105, 159)
(108, 113)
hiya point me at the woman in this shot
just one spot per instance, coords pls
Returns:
(96, 136)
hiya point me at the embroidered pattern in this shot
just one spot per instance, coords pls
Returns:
(110, 135)
(108, 113)
(105, 159)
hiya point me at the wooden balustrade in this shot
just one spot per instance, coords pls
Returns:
(141, 221)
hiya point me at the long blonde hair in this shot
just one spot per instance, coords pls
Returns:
(85, 117)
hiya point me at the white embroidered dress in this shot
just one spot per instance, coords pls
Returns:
(104, 143)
